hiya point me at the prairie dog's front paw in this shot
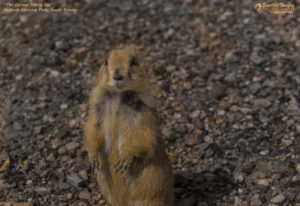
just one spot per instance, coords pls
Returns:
(94, 161)
(123, 164)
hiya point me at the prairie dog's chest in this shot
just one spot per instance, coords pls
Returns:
(120, 114)
(110, 122)
(111, 106)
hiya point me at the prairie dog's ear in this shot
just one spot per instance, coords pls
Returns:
(135, 61)
(104, 61)
(103, 68)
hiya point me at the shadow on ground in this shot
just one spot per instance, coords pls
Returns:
(205, 188)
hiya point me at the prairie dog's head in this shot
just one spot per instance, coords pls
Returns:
(123, 71)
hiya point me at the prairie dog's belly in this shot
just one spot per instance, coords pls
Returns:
(110, 123)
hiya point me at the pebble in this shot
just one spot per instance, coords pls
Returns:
(72, 146)
(43, 190)
(261, 169)
(298, 167)
(170, 69)
(83, 174)
(54, 73)
(181, 129)
(17, 126)
(263, 182)
(63, 186)
(84, 195)
(74, 180)
(187, 85)
(255, 202)
(64, 106)
(69, 196)
(62, 150)
(177, 115)
(195, 114)
(256, 57)
(278, 199)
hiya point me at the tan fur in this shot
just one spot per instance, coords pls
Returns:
(123, 138)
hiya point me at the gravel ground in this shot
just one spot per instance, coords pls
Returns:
(226, 79)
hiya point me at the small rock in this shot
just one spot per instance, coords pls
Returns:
(74, 180)
(234, 108)
(221, 112)
(83, 107)
(192, 140)
(187, 85)
(230, 77)
(43, 190)
(6, 204)
(231, 57)
(51, 157)
(169, 33)
(298, 128)
(264, 152)
(290, 195)
(208, 139)
(181, 129)
(195, 114)
(38, 129)
(69, 195)
(259, 103)
(72, 123)
(255, 202)
(263, 182)
(62, 150)
(170, 68)
(83, 174)
(237, 201)
(29, 183)
(209, 153)
(72, 146)
(58, 44)
(17, 126)
(54, 73)
(256, 79)
(84, 195)
(298, 168)
(255, 57)
(166, 132)
(101, 202)
(23, 18)
(239, 177)
(55, 143)
(260, 37)
(63, 186)
(261, 169)
(255, 87)
(177, 115)
(19, 77)
(64, 106)
(278, 199)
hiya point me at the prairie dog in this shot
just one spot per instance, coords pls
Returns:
(123, 136)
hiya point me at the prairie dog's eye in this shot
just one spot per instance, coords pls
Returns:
(106, 62)
(134, 62)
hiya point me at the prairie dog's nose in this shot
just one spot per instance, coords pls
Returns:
(117, 75)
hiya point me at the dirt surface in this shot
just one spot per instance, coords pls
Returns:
(226, 79)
